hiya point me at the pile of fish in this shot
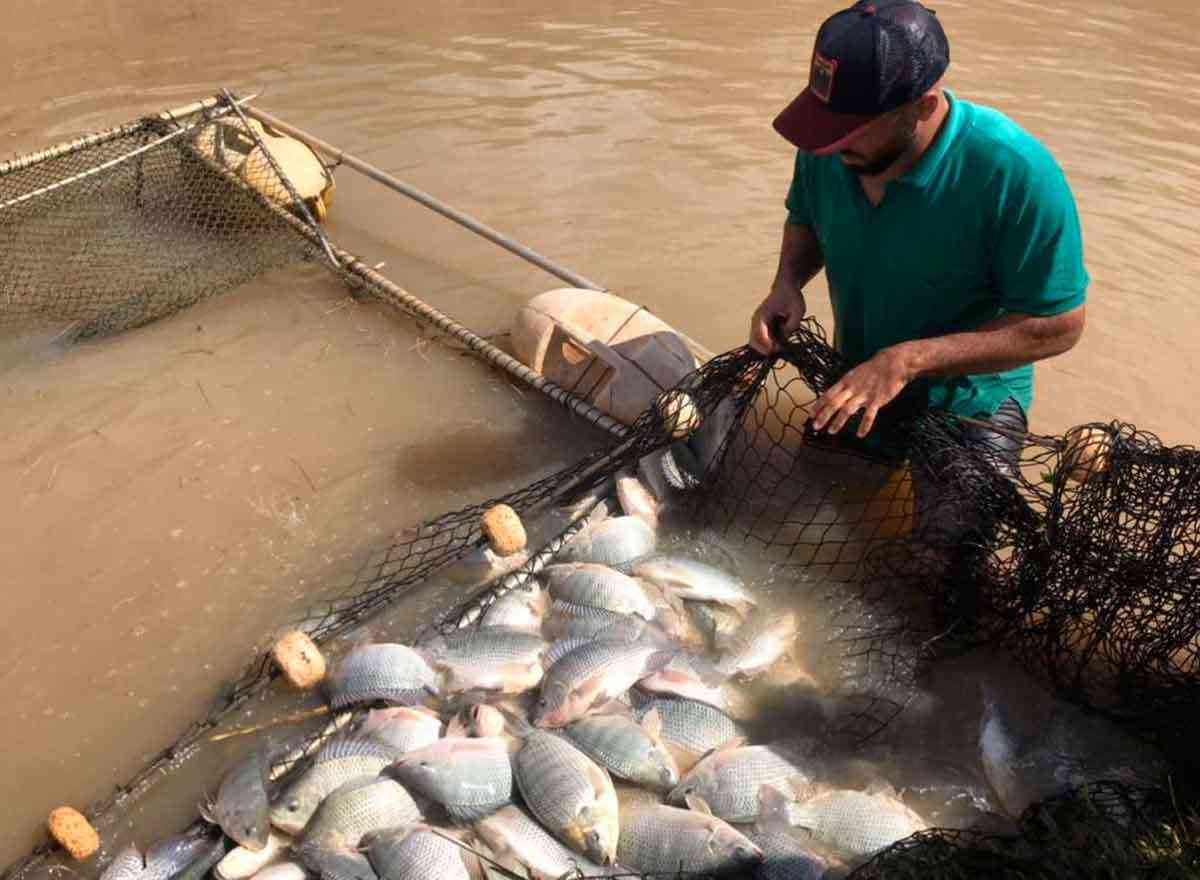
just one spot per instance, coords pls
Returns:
(587, 727)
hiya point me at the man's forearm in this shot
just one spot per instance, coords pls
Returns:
(800, 257)
(1003, 344)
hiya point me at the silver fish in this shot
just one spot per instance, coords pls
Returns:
(628, 749)
(598, 586)
(522, 845)
(567, 620)
(337, 863)
(666, 840)
(786, 857)
(403, 728)
(492, 659)
(242, 863)
(522, 607)
(613, 542)
(592, 675)
(416, 852)
(241, 808)
(688, 676)
(162, 861)
(753, 653)
(469, 777)
(636, 499)
(570, 795)
(856, 824)
(730, 780)
(389, 672)
(691, 730)
(689, 579)
(357, 808)
(339, 761)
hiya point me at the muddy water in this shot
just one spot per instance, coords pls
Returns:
(171, 491)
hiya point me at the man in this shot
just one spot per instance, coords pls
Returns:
(949, 236)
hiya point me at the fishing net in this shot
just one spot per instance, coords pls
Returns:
(122, 228)
(1078, 555)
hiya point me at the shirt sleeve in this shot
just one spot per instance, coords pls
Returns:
(1038, 257)
(799, 200)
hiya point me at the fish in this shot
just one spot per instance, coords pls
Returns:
(337, 863)
(493, 659)
(753, 653)
(161, 861)
(636, 499)
(403, 728)
(591, 676)
(339, 761)
(242, 808)
(243, 863)
(719, 623)
(282, 871)
(690, 729)
(855, 824)
(786, 857)
(416, 852)
(650, 470)
(520, 844)
(356, 808)
(671, 617)
(523, 607)
(614, 541)
(1068, 749)
(476, 720)
(658, 839)
(730, 780)
(626, 748)
(468, 777)
(598, 586)
(690, 460)
(388, 672)
(688, 676)
(482, 566)
(204, 863)
(569, 793)
(690, 579)
(567, 620)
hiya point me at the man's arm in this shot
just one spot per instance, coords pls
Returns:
(1010, 341)
(800, 259)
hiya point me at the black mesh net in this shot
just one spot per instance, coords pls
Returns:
(1080, 555)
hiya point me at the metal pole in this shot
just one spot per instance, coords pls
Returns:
(376, 174)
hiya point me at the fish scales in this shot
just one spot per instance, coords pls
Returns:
(598, 586)
(389, 672)
(730, 780)
(624, 748)
(512, 832)
(359, 807)
(469, 777)
(591, 674)
(661, 839)
(692, 727)
(856, 824)
(341, 760)
(416, 853)
(786, 857)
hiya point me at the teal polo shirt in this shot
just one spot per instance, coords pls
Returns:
(983, 225)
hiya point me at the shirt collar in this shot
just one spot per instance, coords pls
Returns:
(922, 173)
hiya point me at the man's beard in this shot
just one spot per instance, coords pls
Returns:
(889, 158)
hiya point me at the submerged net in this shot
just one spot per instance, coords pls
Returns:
(1078, 555)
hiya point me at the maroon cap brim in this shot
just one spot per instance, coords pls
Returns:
(809, 124)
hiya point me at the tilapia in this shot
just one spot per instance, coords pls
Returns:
(689, 579)
(691, 730)
(569, 793)
(403, 728)
(492, 659)
(719, 623)
(416, 852)
(469, 777)
(598, 586)
(688, 676)
(522, 845)
(357, 808)
(592, 675)
(567, 620)
(666, 840)
(613, 542)
(855, 824)
(786, 857)
(389, 672)
(628, 749)
(753, 652)
(339, 761)
(636, 499)
(242, 863)
(241, 808)
(522, 607)
(730, 781)
(162, 861)
(337, 863)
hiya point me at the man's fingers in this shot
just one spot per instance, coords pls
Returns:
(846, 410)
(760, 334)
(868, 420)
(829, 403)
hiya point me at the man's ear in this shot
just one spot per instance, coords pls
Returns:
(927, 104)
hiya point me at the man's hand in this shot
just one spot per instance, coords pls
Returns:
(868, 387)
(784, 301)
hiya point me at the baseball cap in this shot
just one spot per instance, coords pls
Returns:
(868, 59)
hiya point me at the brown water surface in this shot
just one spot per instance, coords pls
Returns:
(171, 493)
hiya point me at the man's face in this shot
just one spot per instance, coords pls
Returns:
(880, 146)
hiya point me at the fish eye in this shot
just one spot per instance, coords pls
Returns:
(423, 764)
(293, 805)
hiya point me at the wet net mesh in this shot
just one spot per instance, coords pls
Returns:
(1079, 555)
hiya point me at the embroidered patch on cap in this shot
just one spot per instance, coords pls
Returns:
(820, 80)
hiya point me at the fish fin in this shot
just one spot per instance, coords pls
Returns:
(773, 809)
(600, 780)
(697, 804)
(652, 724)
